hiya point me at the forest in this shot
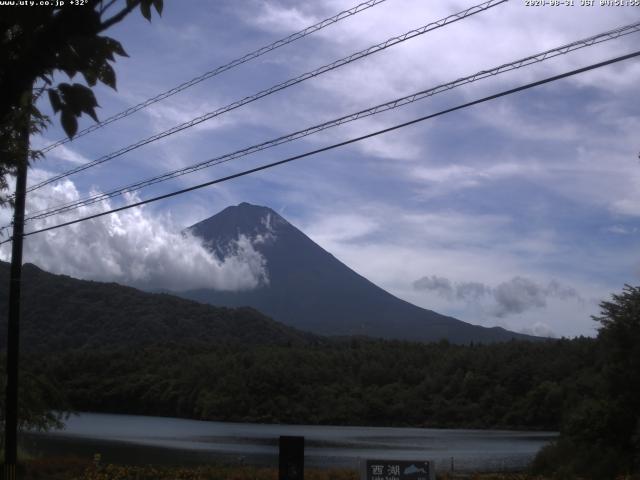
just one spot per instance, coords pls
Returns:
(350, 382)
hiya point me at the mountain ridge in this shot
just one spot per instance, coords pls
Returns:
(60, 312)
(312, 290)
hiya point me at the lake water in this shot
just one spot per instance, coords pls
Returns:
(155, 440)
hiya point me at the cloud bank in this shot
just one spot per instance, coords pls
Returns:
(133, 247)
(512, 297)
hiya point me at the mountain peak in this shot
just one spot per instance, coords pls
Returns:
(249, 205)
(243, 219)
(245, 209)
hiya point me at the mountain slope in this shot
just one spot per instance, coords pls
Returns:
(312, 290)
(60, 312)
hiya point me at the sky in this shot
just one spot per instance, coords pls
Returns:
(522, 212)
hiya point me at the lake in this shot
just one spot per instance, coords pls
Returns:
(137, 439)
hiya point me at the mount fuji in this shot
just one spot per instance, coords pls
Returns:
(310, 289)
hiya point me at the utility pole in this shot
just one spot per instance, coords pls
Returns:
(13, 333)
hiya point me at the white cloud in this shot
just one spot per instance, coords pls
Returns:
(539, 329)
(62, 152)
(280, 19)
(621, 230)
(170, 113)
(133, 247)
(525, 124)
(342, 228)
(517, 295)
(512, 297)
(512, 31)
(442, 286)
(436, 181)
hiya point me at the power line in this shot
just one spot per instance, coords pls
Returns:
(340, 144)
(539, 57)
(281, 86)
(218, 70)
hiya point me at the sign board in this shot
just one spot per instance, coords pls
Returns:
(398, 470)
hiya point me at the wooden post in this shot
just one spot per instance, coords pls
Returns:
(13, 327)
(291, 461)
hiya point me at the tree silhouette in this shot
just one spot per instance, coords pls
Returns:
(600, 436)
(620, 340)
(37, 41)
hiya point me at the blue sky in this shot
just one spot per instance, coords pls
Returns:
(522, 212)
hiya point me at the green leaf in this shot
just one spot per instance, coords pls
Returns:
(107, 75)
(64, 89)
(115, 46)
(145, 9)
(159, 4)
(131, 3)
(90, 76)
(92, 113)
(54, 98)
(68, 61)
(78, 99)
(84, 94)
(69, 123)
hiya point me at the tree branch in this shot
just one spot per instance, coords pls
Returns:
(106, 7)
(39, 91)
(118, 17)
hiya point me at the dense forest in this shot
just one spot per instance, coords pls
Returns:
(363, 382)
(62, 313)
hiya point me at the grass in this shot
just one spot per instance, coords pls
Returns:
(75, 468)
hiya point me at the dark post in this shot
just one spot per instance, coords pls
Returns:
(291, 458)
(13, 331)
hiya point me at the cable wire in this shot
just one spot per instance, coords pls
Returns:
(340, 144)
(281, 86)
(218, 70)
(539, 57)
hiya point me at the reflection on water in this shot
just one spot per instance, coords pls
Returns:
(154, 440)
